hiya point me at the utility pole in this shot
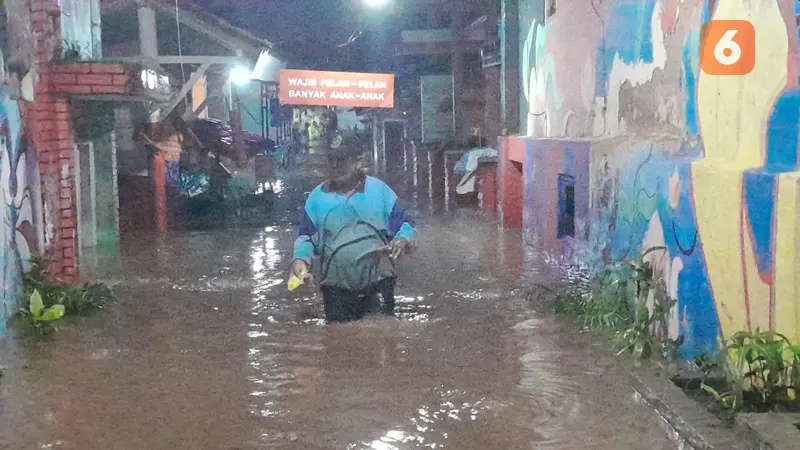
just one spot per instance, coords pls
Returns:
(458, 68)
(148, 45)
(509, 74)
(236, 122)
(237, 130)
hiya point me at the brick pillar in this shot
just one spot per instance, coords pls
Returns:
(49, 134)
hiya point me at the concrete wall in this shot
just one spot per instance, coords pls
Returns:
(707, 166)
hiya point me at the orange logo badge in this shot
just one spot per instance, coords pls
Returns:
(728, 47)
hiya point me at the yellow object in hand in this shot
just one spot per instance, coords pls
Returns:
(294, 282)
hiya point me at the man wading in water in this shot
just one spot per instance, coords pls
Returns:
(357, 228)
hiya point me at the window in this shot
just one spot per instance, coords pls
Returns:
(566, 206)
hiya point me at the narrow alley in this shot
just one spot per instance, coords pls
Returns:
(586, 231)
(207, 349)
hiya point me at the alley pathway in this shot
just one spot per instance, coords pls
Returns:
(206, 349)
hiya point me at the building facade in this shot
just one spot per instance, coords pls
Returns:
(58, 172)
(442, 83)
(626, 144)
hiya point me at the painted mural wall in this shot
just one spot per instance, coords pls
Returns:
(21, 196)
(707, 166)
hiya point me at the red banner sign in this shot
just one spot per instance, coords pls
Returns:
(348, 89)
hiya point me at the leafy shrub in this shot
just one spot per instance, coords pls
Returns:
(40, 318)
(762, 370)
(76, 299)
(647, 336)
(625, 297)
(597, 301)
(46, 300)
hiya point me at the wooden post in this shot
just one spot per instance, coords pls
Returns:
(509, 77)
(148, 45)
(238, 132)
(148, 37)
(159, 172)
(458, 67)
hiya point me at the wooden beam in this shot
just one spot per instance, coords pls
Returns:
(186, 59)
(197, 76)
(219, 32)
(200, 20)
(436, 48)
(113, 98)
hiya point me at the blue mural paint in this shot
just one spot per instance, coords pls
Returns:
(644, 187)
(691, 67)
(760, 185)
(530, 219)
(707, 13)
(638, 196)
(14, 195)
(759, 197)
(569, 161)
(701, 329)
(782, 133)
(627, 36)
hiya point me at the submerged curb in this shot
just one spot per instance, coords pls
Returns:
(771, 431)
(687, 423)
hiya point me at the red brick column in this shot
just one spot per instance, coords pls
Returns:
(50, 136)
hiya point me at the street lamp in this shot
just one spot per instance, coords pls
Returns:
(240, 75)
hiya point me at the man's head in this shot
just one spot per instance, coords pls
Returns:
(343, 164)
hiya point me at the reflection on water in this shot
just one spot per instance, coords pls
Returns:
(206, 349)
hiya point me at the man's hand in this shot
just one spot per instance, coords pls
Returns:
(300, 269)
(398, 248)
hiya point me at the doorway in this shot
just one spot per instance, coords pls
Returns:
(86, 199)
(97, 205)
(394, 139)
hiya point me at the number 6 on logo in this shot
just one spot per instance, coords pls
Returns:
(728, 47)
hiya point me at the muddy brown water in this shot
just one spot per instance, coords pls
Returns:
(206, 349)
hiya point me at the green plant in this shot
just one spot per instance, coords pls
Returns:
(597, 301)
(37, 273)
(70, 52)
(76, 299)
(647, 336)
(41, 318)
(627, 297)
(762, 370)
(590, 313)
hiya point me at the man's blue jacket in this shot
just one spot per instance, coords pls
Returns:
(345, 231)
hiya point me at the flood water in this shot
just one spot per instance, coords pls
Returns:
(206, 349)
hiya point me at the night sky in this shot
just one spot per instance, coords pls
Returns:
(310, 31)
